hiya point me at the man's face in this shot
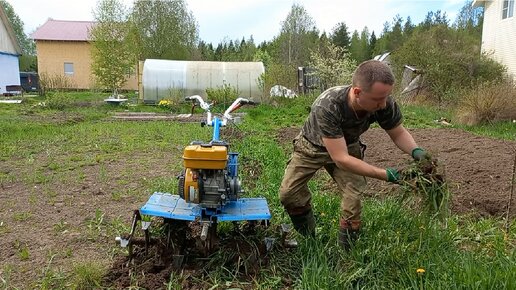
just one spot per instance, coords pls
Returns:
(375, 99)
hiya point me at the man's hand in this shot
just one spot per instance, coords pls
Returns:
(426, 168)
(401, 174)
(393, 175)
(425, 162)
(420, 154)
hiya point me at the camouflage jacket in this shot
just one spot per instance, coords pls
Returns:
(332, 117)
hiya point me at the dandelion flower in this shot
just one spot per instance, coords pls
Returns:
(420, 270)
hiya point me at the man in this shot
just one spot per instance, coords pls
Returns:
(330, 139)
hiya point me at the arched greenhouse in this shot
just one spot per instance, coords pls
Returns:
(164, 79)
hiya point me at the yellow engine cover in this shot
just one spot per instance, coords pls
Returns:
(199, 157)
(191, 189)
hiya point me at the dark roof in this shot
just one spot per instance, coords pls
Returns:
(64, 30)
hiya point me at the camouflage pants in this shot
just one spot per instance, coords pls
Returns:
(301, 167)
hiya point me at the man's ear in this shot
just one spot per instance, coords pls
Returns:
(356, 91)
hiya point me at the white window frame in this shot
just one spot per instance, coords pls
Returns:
(69, 72)
(507, 9)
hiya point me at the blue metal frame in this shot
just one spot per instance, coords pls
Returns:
(217, 123)
(233, 164)
(171, 206)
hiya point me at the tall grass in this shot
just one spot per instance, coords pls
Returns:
(488, 102)
(454, 252)
(457, 252)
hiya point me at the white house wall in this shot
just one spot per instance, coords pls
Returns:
(9, 71)
(9, 51)
(6, 43)
(499, 35)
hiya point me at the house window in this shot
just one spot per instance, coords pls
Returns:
(129, 72)
(508, 9)
(68, 68)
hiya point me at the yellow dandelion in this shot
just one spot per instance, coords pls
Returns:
(420, 271)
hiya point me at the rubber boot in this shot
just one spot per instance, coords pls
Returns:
(304, 223)
(348, 233)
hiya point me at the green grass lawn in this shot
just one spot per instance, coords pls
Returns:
(399, 248)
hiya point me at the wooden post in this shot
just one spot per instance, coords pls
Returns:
(507, 223)
(140, 85)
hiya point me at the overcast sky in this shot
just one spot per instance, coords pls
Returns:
(234, 19)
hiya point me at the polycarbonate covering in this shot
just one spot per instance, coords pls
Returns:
(166, 79)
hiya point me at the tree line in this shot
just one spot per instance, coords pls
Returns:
(448, 52)
(166, 29)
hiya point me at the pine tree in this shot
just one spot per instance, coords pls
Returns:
(340, 36)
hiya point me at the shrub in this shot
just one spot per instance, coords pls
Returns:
(165, 104)
(57, 101)
(171, 105)
(449, 59)
(224, 94)
(48, 82)
(488, 102)
(333, 66)
(172, 102)
(277, 74)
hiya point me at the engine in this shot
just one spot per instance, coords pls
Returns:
(209, 178)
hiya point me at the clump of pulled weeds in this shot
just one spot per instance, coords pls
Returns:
(425, 180)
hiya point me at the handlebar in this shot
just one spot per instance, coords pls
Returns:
(205, 106)
(249, 102)
(239, 102)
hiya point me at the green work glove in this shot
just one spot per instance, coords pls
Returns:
(419, 154)
(393, 175)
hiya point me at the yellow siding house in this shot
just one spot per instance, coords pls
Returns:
(64, 49)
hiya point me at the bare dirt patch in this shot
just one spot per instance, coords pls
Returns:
(240, 250)
(478, 169)
(49, 217)
(52, 212)
(52, 118)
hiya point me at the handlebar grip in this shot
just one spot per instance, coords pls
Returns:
(249, 102)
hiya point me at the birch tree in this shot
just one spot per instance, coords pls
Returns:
(112, 58)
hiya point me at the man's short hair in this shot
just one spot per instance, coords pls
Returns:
(371, 71)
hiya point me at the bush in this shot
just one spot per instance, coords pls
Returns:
(277, 74)
(49, 82)
(57, 101)
(172, 102)
(449, 59)
(224, 94)
(333, 66)
(488, 102)
(166, 104)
